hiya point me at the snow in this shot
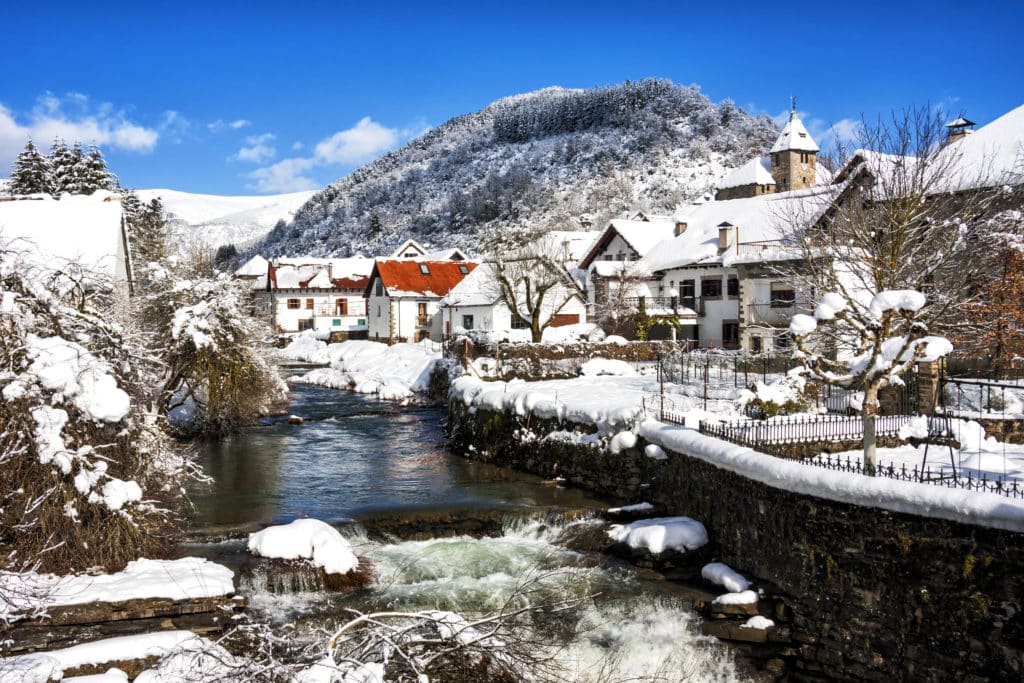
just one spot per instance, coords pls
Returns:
(69, 370)
(181, 579)
(722, 575)
(395, 372)
(758, 622)
(605, 366)
(214, 220)
(32, 667)
(622, 441)
(928, 500)
(794, 136)
(801, 325)
(327, 671)
(745, 597)
(751, 173)
(655, 452)
(989, 157)
(83, 231)
(831, 304)
(659, 534)
(896, 300)
(308, 539)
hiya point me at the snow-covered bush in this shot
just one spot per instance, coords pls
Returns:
(217, 378)
(784, 396)
(85, 473)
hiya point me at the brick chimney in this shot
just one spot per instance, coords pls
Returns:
(726, 236)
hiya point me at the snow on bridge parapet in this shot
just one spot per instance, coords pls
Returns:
(926, 500)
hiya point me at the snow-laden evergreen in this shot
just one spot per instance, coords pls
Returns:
(30, 172)
(543, 159)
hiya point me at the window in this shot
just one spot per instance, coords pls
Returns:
(378, 311)
(607, 257)
(309, 304)
(294, 303)
(341, 306)
(710, 289)
(305, 325)
(421, 314)
(425, 269)
(467, 322)
(336, 323)
(518, 324)
(782, 298)
(783, 342)
(464, 270)
(361, 321)
(756, 344)
(730, 334)
(687, 289)
(734, 286)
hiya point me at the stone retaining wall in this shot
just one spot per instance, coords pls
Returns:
(535, 362)
(874, 595)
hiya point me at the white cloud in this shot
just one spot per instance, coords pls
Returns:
(219, 125)
(257, 149)
(175, 126)
(89, 123)
(284, 176)
(240, 123)
(358, 144)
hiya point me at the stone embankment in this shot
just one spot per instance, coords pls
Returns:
(858, 593)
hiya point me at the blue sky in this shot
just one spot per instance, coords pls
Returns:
(256, 97)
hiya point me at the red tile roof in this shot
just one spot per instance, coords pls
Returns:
(405, 276)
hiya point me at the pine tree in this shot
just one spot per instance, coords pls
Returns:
(30, 173)
(92, 172)
(62, 164)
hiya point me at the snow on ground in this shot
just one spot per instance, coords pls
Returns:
(392, 372)
(723, 575)
(308, 539)
(185, 578)
(604, 366)
(659, 534)
(181, 645)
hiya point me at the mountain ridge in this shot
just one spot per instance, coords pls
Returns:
(548, 157)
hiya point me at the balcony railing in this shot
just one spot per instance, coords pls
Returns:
(672, 304)
(766, 248)
(775, 314)
(332, 311)
(423, 320)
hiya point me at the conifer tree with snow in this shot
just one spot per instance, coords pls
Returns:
(63, 164)
(30, 173)
(92, 172)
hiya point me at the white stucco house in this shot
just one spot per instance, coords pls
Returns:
(476, 304)
(403, 296)
(326, 295)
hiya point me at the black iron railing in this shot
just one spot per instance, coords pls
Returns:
(815, 429)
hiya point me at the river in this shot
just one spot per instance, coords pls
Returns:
(439, 531)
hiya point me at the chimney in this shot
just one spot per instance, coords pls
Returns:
(586, 223)
(680, 228)
(959, 128)
(726, 231)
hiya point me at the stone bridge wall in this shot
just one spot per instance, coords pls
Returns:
(874, 595)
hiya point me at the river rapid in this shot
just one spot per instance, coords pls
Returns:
(440, 532)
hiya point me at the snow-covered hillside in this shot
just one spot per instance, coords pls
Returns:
(542, 159)
(215, 220)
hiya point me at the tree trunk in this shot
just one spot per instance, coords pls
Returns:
(869, 412)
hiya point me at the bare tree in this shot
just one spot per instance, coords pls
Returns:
(529, 275)
(891, 253)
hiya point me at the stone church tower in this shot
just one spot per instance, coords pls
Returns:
(794, 156)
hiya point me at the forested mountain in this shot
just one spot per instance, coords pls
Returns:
(545, 158)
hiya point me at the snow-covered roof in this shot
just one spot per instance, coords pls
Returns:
(80, 229)
(408, 248)
(794, 136)
(751, 173)
(756, 219)
(960, 122)
(642, 236)
(254, 267)
(574, 244)
(479, 288)
(991, 156)
(419, 278)
(311, 273)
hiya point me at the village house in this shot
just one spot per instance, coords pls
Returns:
(299, 294)
(403, 296)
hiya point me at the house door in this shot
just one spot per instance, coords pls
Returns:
(341, 307)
